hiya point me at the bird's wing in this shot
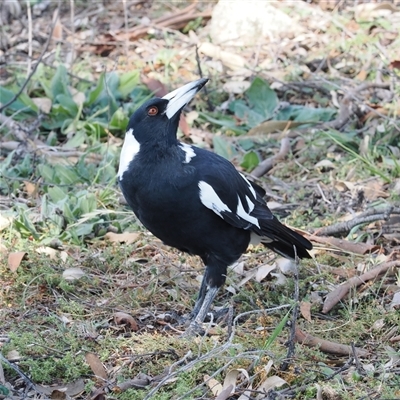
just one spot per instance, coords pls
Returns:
(229, 194)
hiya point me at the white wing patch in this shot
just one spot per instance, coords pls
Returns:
(210, 199)
(130, 149)
(189, 152)
(244, 215)
(253, 192)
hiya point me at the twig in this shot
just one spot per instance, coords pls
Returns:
(327, 346)
(370, 215)
(46, 46)
(295, 313)
(209, 105)
(216, 351)
(28, 382)
(269, 163)
(341, 291)
(29, 13)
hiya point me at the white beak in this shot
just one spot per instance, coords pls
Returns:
(182, 96)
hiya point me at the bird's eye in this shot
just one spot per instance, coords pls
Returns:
(152, 111)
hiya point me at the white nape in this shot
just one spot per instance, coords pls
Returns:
(189, 152)
(130, 149)
(210, 199)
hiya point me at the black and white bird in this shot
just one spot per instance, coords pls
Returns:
(193, 199)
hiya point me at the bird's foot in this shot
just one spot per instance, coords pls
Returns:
(194, 329)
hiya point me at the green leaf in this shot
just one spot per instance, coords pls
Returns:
(66, 174)
(250, 160)
(262, 98)
(68, 103)
(119, 120)
(56, 194)
(21, 103)
(47, 173)
(128, 82)
(223, 147)
(59, 83)
(94, 95)
(306, 114)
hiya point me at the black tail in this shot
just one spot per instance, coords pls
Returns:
(281, 239)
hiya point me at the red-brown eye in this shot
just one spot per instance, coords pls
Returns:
(152, 111)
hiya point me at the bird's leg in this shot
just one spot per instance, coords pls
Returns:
(195, 327)
(200, 298)
(205, 306)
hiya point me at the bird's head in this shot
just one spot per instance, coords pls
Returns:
(156, 122)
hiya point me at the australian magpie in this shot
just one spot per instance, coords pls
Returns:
(193, 199)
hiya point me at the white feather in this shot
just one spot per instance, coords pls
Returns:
(253, 192)
(244, 215)
(189, 152)
(210, 199)
(130, 149)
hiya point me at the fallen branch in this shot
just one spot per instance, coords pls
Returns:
(295, 313)
(367, 217)
(327, 346)
(346, 103)
(341, 291)
(177, 20)
(269, 163)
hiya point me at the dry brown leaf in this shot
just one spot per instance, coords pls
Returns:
(15, 259)
(362, 75)
(263, 271)
(343, 244)
(126, 237)
(230, 60)
(213, 384)
(52, 253)
(305, 310)
(270, 383)
(395, 64)
(4, 222)
(43, 103)
(72, 274)
(72, 389)
(96, 365)
(274, 126)
(30, 188)
(121, 318)
(57, 31)
(226, 393)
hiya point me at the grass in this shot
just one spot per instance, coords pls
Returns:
(59, 192)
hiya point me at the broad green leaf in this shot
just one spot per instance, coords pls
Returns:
(262, 98)
(59, 83)
(68, 103)
(66, 174)
(47, 173)
(21, 103)
(246, 143)
(56, 194)
(223, 147)
(306, 114)
(128, 82)
(119, 120)
(250, 160)
(95, 94)
(83, 229)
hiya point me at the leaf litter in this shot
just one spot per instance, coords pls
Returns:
(342, 181)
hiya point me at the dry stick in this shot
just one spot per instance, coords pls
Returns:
(29, 12)
(46, 46)
(269, 163)
(345, 104)
(370, 215)
(326, 346)
(295, 314)
(341, 291)
(217, 350)
(28, 382)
